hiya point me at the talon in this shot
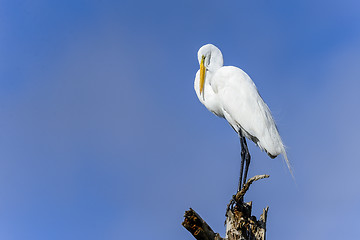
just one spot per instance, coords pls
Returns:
(232, 203)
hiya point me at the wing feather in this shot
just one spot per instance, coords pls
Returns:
(245, 109)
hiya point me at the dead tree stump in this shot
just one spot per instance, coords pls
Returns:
(240, 224)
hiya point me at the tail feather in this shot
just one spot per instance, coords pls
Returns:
(287, 162)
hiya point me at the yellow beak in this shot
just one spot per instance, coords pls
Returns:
(202, 74)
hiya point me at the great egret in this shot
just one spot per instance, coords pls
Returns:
(229, 92)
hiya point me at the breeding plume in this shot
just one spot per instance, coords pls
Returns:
(229, 92)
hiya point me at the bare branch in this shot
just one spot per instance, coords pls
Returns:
(241, 193)
(198, 227)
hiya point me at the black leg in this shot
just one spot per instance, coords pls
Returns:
(247, 160)
(245, 157)
(243, 153)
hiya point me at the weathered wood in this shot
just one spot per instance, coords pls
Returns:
(261, 234)
(198, 227)
(240, 224)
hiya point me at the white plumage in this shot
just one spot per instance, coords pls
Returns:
(230, 93)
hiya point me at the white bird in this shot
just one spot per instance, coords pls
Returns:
(229, 92)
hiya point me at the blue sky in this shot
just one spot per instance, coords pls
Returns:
(102, 135)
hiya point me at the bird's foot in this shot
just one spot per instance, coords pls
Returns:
(233, 203)
(230, 206)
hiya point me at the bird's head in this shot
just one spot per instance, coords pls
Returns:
(210, 59)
